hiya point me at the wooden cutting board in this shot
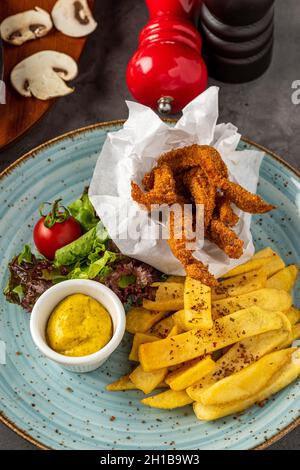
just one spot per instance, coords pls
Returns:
(20, 113)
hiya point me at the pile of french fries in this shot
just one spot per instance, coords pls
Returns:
(222, 349)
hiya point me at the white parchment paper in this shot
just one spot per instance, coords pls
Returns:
(133, 150)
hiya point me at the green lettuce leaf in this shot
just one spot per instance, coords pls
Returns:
(126, 280)
(78, 273)
(19, 291)
(83, 211)
(97, 268)
(86, 248)
(76, 251)
(26, 255)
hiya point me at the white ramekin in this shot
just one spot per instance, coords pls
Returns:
(48, 301)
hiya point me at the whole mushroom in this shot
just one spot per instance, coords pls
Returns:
(43, 75)
(25, 26)
(73, 18)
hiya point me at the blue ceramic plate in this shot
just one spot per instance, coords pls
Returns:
(62, 410)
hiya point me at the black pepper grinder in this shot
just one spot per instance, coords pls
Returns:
(238, 38)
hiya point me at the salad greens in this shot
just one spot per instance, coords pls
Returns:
(88, 256)
(91, 256)
(126, 280)
(25, 255)
(83, 211)
(79, 249)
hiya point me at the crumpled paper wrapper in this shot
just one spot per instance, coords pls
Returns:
(133, 150)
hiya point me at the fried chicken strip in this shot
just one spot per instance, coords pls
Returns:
(198, 270)
(225, 211)
(198, 175)
(178, 241)
(202, 191)
(225, 239)
(163, 191)
(205, 156)
(148, 180)
(243, 199)
(210, 161)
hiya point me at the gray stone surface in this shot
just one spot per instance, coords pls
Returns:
(262, 109)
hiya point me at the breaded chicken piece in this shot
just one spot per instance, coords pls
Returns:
(243, 199)
(178, 241)
(197, 175)
(148, 180)
(202, 192)
(179, 224)
(203, 156)
(225, 239)
(225, 212)
(198, 270)
(162, 192)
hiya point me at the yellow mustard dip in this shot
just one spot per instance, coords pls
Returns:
(78, 326)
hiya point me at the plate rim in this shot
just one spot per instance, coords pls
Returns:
(104, 124)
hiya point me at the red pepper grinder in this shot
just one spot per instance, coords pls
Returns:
(167, 71)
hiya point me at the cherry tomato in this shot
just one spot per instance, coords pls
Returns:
(55, 230)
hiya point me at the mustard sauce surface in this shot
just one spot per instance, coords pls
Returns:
(78, 326)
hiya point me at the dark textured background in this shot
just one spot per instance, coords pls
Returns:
(262, 109)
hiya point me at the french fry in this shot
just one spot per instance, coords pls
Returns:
(162, 385)
(139, 319)
(138, 339)
(179, 319)
(187, 375)
(163, 327)
(168, 400)
(123, 383)
(180, 279)
(231, 287)
(174, 331)
(295, 332)
(293, 336)
(241, 355)
(168, 297)
(286, 375)
(249, 315)
(194, 343)
(264, 253)
(238, 285)
(251, 265)
(147, 381)
(267, 299)
(293, 314)
(247, 382)
(197, 304)
(274, 264)
(284, 279)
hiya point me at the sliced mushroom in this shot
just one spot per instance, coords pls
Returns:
(73, 18)
(44, 74)
(22, 27)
